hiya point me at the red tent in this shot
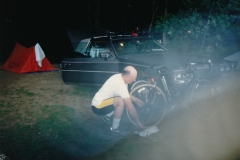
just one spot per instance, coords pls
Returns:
(24, 60)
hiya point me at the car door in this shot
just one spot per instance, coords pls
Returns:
(96, 67)
(88, 70)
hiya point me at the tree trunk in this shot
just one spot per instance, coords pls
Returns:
(89, 14)
(93, 13)
(164, 36)
(96, 14)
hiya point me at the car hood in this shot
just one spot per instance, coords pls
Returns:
(169, 59)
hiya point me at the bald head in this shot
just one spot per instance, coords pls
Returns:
(129, 74)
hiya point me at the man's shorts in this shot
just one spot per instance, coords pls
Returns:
(105, 107)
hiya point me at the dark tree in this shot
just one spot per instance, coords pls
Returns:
(94, 7)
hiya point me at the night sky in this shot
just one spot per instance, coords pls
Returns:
(46, 22)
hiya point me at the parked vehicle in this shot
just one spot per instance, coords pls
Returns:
(158, 96)
(158, 68)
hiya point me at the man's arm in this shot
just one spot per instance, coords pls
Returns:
(132, 111)
(137, 101)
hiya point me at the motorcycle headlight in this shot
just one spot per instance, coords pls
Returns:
(181, 76)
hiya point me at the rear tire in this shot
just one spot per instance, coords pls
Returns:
(204, 99)
(154, 109)
(137, 83)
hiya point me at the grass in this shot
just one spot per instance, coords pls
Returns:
(43, 122)
(35, 123)
(24, 92)
(51, 127)
(84, 90)
(54, 121)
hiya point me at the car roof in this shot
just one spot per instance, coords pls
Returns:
(113, 37)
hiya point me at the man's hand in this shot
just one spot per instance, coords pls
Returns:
(132, 110)
(141, 126)
(139, 102)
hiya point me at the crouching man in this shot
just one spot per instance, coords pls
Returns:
(113, 96)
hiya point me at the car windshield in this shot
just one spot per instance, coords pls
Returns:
(137, 46)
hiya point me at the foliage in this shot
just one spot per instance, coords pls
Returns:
(213, 6)
(198, 30)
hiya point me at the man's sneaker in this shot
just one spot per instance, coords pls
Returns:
(106, 119)
(114, 131)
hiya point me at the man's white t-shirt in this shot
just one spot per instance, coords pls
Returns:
(113, 87)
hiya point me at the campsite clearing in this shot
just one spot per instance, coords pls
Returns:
(42, 118)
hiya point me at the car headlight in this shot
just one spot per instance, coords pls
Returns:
(227, 66)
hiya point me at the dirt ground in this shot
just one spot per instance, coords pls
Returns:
(182, 134)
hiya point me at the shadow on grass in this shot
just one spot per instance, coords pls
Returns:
(58, 134)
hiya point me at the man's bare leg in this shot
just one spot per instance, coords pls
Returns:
(118, 111)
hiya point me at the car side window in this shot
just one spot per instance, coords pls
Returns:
(125, 47)
(137, 46)
(94, 52)
(97, 47)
